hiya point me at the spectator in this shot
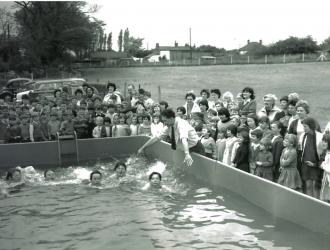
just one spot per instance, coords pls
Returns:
(269, 109)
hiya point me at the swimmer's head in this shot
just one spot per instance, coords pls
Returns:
(95, 177)
(49, 175)
(120, 169)
(14, 175)
(155, 179)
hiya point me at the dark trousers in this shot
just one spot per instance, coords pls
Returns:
(198, 148)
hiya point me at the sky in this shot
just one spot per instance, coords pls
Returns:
(222, 23)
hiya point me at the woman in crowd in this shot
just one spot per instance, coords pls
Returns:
(249, 105)
(191, 106)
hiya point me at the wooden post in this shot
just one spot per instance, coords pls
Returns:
(248, 59)
(231, 59)
(199, 61)
(125, 89)
(215, 60)
(184, 61)
(266, 59)
(32, 75)
(159, 94)
(303, 57)
(284, 58)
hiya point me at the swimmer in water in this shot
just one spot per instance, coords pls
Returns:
(155, 183)
(49, 175)
(120, 173)
(95, 178)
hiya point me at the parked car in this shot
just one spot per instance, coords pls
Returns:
(46, 88)
(16, 85)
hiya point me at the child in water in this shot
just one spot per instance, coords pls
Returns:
(49, 175)
(155, 179)
(95, 178)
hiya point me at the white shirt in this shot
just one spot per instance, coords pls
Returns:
(182, 129)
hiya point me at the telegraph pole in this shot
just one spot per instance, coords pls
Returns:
(190, 45)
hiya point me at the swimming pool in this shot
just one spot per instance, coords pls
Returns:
(71, 215)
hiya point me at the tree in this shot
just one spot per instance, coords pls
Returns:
(325, 45)
(101, 40)
(109, 41)
(126, 40)
(105, 42)
(48, 30)
(134, 45)
(8, 25)
(293, 45)
(120, 41)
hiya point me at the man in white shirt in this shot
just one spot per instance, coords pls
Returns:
(183, 136)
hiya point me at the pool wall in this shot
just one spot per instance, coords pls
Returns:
(280, 201)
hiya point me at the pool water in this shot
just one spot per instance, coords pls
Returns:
(70, 215)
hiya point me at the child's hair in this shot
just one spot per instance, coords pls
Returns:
(264, 119)
(107, 119)
(206, 91)
(258, 133)
(267, 143)
(224, 111)
(216, 91)
(120, 163)
(326, 138)
(165, 103)
(292, 139)
(10, 173)
(182, 109)
(245, 136)
(233, 129)
(212, 112)
(155, 173)
(99, 118)
(254, 117)
(46, 171)
(94, 172)
(146, 116)
(229, 95)
(310, 122)
(280, 126)
(204, 103)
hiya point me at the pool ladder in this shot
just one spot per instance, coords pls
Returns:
(67, 146)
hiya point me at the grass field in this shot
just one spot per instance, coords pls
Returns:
(310, 80)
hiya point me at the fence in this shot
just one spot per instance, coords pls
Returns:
(220, 60)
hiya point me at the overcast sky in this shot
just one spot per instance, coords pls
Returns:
(223, 23)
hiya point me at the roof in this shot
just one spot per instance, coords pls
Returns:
(173, 48)
(253, 47)
(109, 54)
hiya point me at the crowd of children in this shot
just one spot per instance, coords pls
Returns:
(278, 144)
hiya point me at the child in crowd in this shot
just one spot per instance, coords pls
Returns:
(99, 131)
(134, 125)
(181, 111)
(208, 143)
(230, 141)
(36, 133)
(121, 129)
(13, 131)
(24, 126)
(325, 188)
(241, 158)
(221, 143)
(145, 128)
(289, 175)
(67, 125)
(255, 137)
(156, 126)
(108, 127)
(80, 124)
(264, 160)
(277, 146)
(44, 125)
(264, 125)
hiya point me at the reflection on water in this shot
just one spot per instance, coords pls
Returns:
(70, 215)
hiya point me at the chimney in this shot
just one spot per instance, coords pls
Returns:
(157, 45)
(175, 44)
(260, 41)
(248, 41)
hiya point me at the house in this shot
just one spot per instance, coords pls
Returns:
(109, 57)
(174, 53)
(253, 48)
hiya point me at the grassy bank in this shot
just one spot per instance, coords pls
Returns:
(310, 80)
